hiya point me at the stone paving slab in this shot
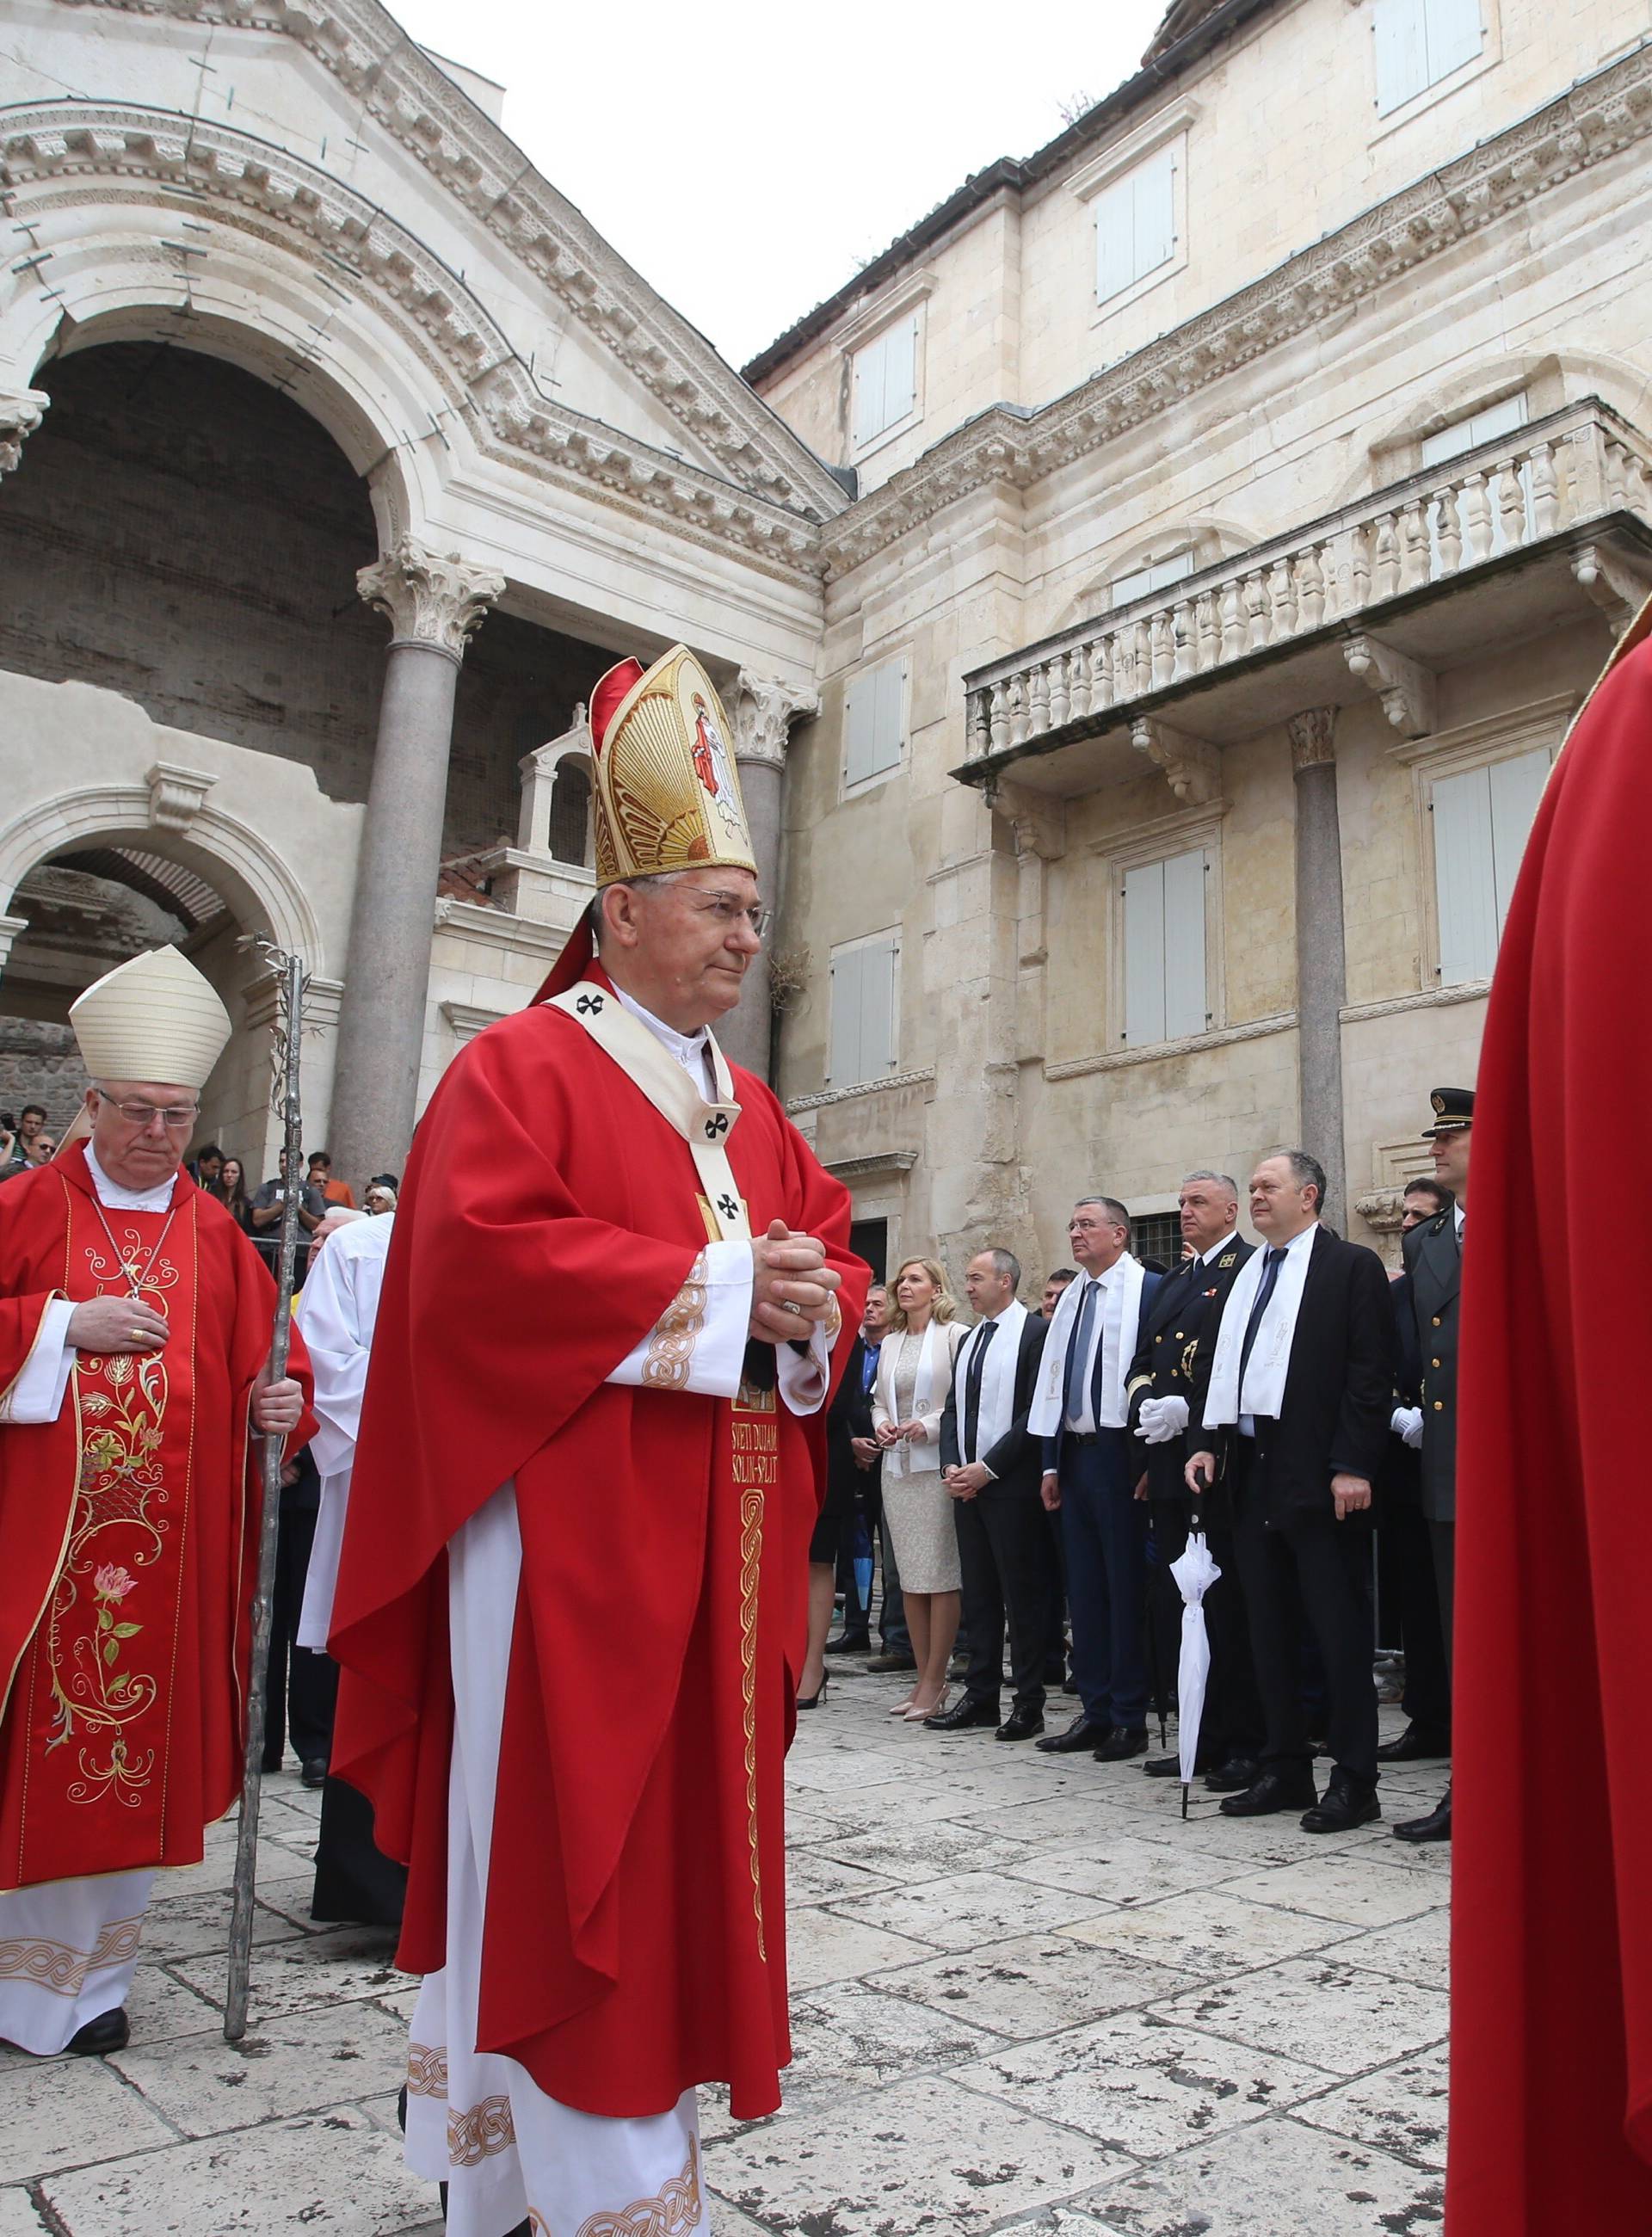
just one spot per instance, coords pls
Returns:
(1027, 1997)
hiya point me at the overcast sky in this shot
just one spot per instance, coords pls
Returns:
(746, 158)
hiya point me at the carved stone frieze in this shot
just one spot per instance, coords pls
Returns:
(21, 413)
(763, 711)
(125, 153)
(1591, 121)
(1193, 769)
(1313, 736)
(1404, 685)
(413, 100)
(435, 599)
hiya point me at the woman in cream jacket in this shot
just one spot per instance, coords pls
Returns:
(914, 1376)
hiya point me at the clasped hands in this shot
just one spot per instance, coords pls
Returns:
(968, 1479)
(792, 1287)
(1351, 1495)
(1158, 1420)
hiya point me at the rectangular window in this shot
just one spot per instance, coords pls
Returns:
(865, 987)
(1135, 224)
(874, 723)
(1164, 950)
(1467, 434)
(1482, 818)
(1420, 42)
(886, 380)
(1158, 575)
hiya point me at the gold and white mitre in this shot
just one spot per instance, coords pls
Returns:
(667, 797)
(154, 1018)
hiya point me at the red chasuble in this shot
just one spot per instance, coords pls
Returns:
(1551, 1984)
(128, 1534)
(635, 1938)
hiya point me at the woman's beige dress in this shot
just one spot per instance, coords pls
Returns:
(918, 1509)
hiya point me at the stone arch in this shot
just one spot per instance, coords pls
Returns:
(263, 890)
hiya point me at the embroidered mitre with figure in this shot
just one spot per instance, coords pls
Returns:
(667, 797)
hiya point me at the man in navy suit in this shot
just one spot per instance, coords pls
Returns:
(1091, 1464)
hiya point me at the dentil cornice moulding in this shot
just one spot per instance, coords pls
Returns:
(48, 150)
(480, 165)
(1589, 122)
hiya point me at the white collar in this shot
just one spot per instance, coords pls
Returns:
(1459, 1215)
(1217, 1249)
(125, 1199)
(1304, 1235)
(691, 1050)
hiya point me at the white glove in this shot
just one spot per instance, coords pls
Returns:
(1161, 1419)
(1408, 1423)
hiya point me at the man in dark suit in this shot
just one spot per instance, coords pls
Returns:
(992, 1467)
(852, 1474)
(1405, 1558)
(1090, 1472)
(1181, 1319)
(1434, 1265)
(1295, 1397)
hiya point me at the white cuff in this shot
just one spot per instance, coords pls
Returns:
(37, 1394)
(698, 1343)
(805, 1377)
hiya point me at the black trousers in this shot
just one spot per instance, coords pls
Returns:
(1008, 1575)
(303, 1685)
(1232, 1723)
(354, 1879)
(1406, 1572)
(1443, 1541)
(1306, 1564)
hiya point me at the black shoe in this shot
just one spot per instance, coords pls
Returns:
(313, 1774)
(1346, 1804)
(109, 2031)
(850, 1642)
(1081, 1733)
(1273, 1790)
(1121, 1742)
(1437, 1826)
(882, 1662)
(1021, 1724)
(270, 1762)
(1415, 1745)
(812, 1701)
(1317, 1744)
(1069, 1684)
(1169, 1766)
(1233, 1776)
(962, 1715)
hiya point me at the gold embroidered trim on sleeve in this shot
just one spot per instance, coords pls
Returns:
(674, 2211)
(750, 1568)
(670, 1348)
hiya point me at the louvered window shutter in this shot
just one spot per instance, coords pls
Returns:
(1464, 877)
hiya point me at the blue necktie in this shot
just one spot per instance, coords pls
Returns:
(1271, 1265)
(1072, 1384)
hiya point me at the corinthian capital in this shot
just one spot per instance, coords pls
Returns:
(433, 598)
(21, 413)
(764, 710)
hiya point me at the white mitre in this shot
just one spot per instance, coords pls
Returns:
(154, 1018)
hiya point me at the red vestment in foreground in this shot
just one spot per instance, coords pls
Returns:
(1552, 2005)
(635, 1935)
(128, 1534)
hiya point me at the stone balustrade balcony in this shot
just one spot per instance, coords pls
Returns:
(1492, 545)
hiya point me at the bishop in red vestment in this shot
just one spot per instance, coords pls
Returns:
(134, 1327)
(1551, 1980)
(570, 1609)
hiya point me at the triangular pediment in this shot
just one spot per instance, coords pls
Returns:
(597, 340)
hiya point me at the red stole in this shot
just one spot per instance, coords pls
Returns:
(127, 1539)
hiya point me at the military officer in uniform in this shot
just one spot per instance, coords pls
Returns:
(1434, 1262)
(1184, 1314)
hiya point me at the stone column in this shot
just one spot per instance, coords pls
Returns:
(764, 712)
(1321, 961)
(433, 603)
(21, 413)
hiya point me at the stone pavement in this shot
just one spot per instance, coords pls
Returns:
(1026, 1997)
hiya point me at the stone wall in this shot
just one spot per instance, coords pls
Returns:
(39, 1063)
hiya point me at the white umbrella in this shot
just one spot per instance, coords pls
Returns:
(1195, 1572)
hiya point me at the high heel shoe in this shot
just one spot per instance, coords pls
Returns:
(901, 1707)
(916, 1716)
(813, 1700)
